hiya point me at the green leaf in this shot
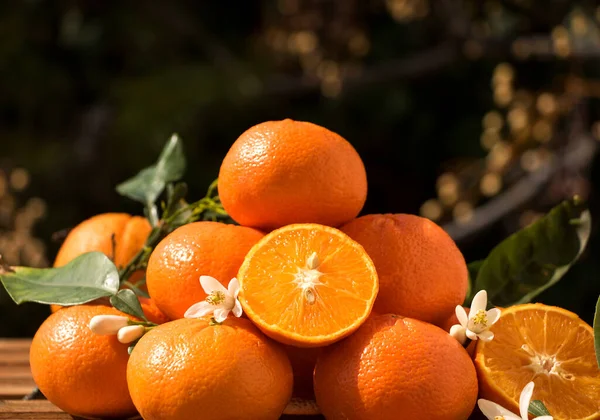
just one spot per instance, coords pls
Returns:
(537, 408)
(597, 332)
(150, 182)
(535, 258)
(88, 277)
(126, 301)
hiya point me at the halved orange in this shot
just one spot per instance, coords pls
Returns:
(549, 346)
(307, 285)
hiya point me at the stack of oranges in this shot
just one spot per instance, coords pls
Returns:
(339, 308)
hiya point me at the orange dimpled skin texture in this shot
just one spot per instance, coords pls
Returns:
(283, 172)
(188, 369)
(422, 273)
(194, 250)
(82, 373)
(396, 368)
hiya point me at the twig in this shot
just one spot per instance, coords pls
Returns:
(60, 235)
(113, 243)
(579, 155)
(415, 65)
(4, 267)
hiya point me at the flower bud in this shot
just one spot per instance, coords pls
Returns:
(459, 332)
(108, 324)
(130, 333)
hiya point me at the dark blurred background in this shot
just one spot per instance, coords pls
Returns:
(480, 115)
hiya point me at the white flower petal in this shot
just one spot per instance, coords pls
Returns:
(486, 336)
(211, 284)
(462, 316)
(200, 309)
(459, 333)
(544, 418)
(491, 410)
(130, 333)
(108, 324)
(524, 400)
(471, 335)
(221, 314)
(234, 287)
(237, 309)
(493, 315)
(479, 302)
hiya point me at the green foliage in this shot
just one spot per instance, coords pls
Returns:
(537, 408)
(88, 277)
(94, 275)
(597, 331)
(126, 301)
(535, 258)
(150, 182)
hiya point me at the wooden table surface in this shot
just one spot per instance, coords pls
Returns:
(16, 382)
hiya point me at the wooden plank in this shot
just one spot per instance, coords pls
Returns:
(14, 358)
(15, 388)
(7, 372)
(15, 374)
(15, 344)
(45, 410)
(42, 410)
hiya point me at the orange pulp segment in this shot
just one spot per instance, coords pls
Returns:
(307, 285)
(549, 346)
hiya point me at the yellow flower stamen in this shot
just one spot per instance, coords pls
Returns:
(215, 298)
(481, 319)
(499, 418)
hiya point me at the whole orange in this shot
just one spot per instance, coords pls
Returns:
(118, 235)
(422, 273)
(193, 250)
(97, 233)
(283, 172)
(396, 368)
(80, 372)
(188, 369)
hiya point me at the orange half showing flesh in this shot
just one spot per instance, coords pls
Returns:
(307, 285)
(547, 345)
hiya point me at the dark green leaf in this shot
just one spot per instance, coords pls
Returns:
(533, 259)
(150, 182)
(88, 277)
(537, 408)
(597, 332)
(127, 301)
